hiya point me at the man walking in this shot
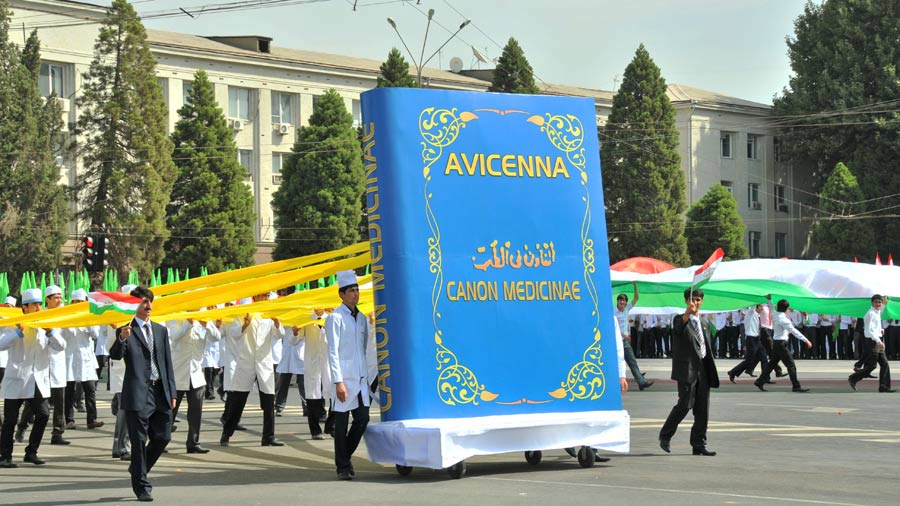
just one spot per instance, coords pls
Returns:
(694, 368)
(783, 327)
(873, 333)
(81, 368)
(623, 307)
(148, 390)
(349, 352)
(755, 352)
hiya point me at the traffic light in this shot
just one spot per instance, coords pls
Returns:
(102, 252)
(88, 255)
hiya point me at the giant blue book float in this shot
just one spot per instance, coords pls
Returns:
(494, 323)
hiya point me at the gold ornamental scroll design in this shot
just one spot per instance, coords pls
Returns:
(456, 383)
(585, 380)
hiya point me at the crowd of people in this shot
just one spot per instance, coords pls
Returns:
(152, 366)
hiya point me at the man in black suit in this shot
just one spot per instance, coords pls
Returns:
(148, 390)
(694, 369)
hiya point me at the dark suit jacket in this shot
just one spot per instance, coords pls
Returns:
(686, 361)
(136, 354)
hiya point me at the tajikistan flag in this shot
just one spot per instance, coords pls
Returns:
(102, 302)
(706, 270)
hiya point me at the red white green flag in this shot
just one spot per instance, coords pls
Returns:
(102, 302)
(706, 270)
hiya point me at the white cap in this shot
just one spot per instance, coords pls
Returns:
(52, 290)
(273, 295)
(11, 301)
(247, 300)
(128, 288)
(346, 278)
(79, 294)
(32, 295)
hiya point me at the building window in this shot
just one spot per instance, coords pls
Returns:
(753, 196)
(282, 108)
(186, 87)
(51, 80)
(357, 113)
(245, 158)
(728, 186)
(239, 103)
(780, 202)
(780, 244)
(277, 160)
(778, 154)
(753, 243)
(726, 144)
(752, 147)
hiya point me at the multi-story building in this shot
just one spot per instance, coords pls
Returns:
(267, 92)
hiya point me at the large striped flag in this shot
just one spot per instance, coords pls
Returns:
(705, 271)
(102, 302)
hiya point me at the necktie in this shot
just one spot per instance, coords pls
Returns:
(701, 338)
(154, 371)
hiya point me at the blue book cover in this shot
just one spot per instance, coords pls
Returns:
(490, 261)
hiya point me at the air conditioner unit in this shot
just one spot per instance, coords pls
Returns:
(276, 178)
(757, 206)
(281, 128)
(236, 124)
(783, 208)
(64, 104)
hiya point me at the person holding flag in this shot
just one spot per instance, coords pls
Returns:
(782, 328)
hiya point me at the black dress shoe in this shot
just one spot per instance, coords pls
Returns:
(645, 385)
(344, 476)
(852, 383)
(770, 382)
(126, 457)
(799, 389)
(731, 377)
(145, 497)
(20, 435)
(780, 374)
(8, 464)
(34, 459)
(759, 386)
(751, 375)
(224, 442)
(664, 444)
(703, 451)
(600, 458)
(197, 449)
(272, 442)
(887, 390)
(58, 440)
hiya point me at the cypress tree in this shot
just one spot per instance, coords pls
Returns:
(513, 73)
(33, 205)
(210, 214)
(317, 207)
(395, 72)
(128, 173)
(836, 235)
(713, 222)
(643, 184)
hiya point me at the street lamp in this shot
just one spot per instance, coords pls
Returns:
(420, 64)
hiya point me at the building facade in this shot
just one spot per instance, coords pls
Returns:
(267, 92)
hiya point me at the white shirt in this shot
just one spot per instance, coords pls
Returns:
(622, 319)
(188, 341)
(751, 323)
(253, 355)
(81, 363)
(29, 361)
(348, 354)
(872, 325)
(782, 327)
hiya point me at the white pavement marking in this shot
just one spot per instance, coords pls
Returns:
(671, 490)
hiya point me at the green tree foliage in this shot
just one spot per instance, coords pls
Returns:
(33, 206)
(643, 184)
(210, 214)
(846, 81)
(713, 222)
(317, 207)
(395, 72)
(128, 173)
(836, 235)
(513, 73)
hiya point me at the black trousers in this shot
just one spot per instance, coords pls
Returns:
(41, 410)
(755, 355)
(194, 413)
(782, 354)
(346, 441)
(284, 386)
(692, 396)
(875, 357)
(844, 344)
(58, 402)
(315, 413)
(150, 430)
(234, 408)
(765, 338)
(209, 373)
(90, 400)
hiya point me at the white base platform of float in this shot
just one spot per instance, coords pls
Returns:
(438, 443)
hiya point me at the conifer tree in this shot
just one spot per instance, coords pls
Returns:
(210, 214)
(513, 73)
(395, 72)
(713, 222)
(317, 207)
(643, 184)
(33, 206)
(127, 174)
(836, 235)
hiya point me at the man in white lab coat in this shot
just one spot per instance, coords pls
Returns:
(27, 380)
(316, 378)
(349, 347)
(81, 367)
(253, 357)
(188, 339)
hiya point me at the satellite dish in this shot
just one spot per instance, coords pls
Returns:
(479, 55)
(456, 64)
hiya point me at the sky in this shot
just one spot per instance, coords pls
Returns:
(736, 48)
